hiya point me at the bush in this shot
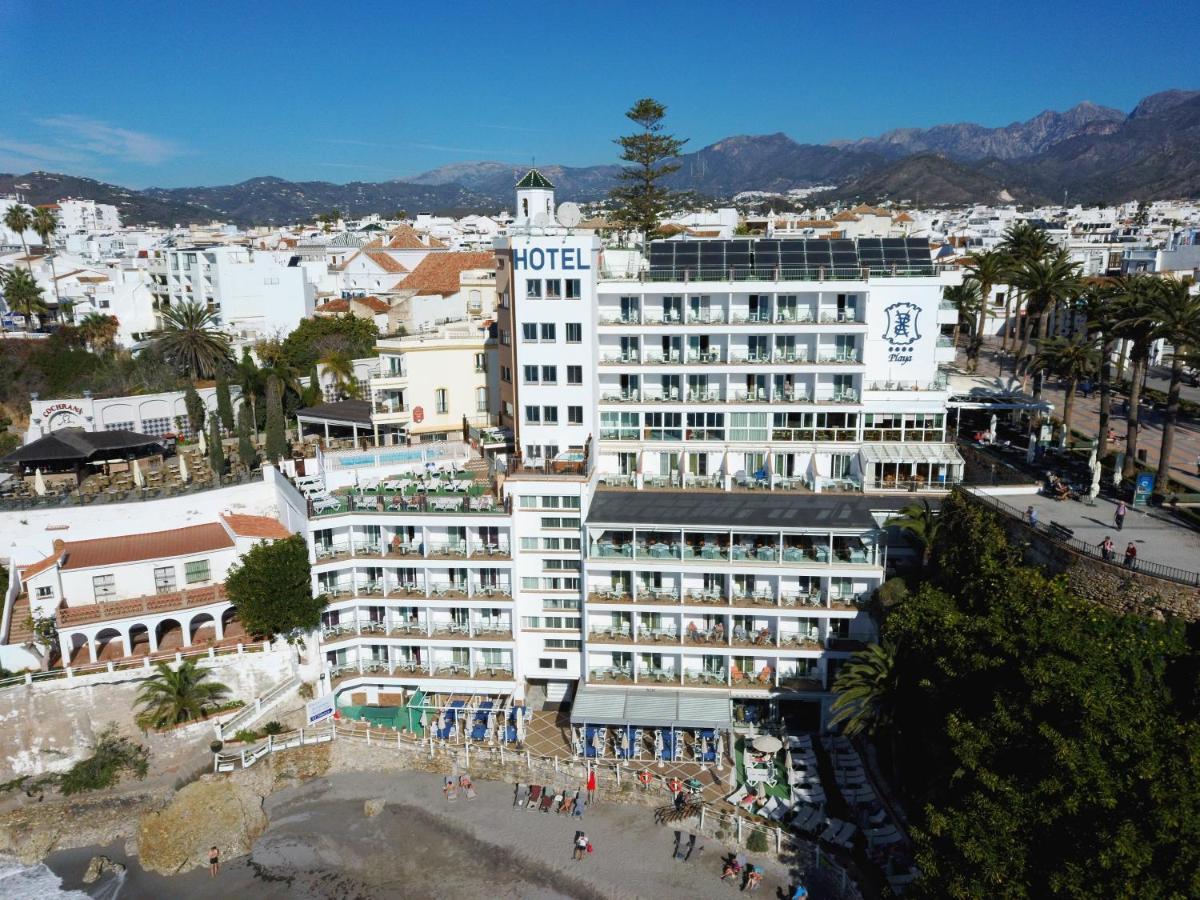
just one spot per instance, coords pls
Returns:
(273, 727)
(757, 842)
(112, 754)
(306, 691)
(245, 736)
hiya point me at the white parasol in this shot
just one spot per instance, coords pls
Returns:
(39, 483)
(184, 475)
(520, 728)
(138, 478)
(658, 743)
(1031, 450)
(992, 430)
(202, 441)
(766, 743)
(1094, 490)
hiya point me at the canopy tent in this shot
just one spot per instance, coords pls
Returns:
(650, 709)
(915, 452)
(340, 416)
(899, 465)
(70, 451)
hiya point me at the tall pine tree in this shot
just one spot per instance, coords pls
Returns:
(641, 197)
(276, 441)
(245, 429)
(224, 403)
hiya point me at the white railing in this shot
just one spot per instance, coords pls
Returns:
(252, 712)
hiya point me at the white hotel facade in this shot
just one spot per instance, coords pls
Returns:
(704, 450)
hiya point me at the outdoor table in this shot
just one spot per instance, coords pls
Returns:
(765, 553)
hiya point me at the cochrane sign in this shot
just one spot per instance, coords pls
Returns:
(566, 259)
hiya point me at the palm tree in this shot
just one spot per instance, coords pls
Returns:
(1096, 303)
(1020, 243)
(22, 294)
(922, 524)
(1177, 314)
(66, 309)
(986, 269)
(44, 225)
(189, 340)
(966, 299)
(1045, 282)
(251, 383)
(99, 331)
(1071, 360)
(1135, 324)
(340, 366)
(181, 695)
(865, 691)
(18, 219)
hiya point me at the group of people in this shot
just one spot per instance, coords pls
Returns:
(737, 869)
(1108, 552)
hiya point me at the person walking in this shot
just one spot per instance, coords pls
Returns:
(591, 786)
(1031, 515)
(1131, 556)
(581, 845)
(214, 862)
(1119, 515)
(1107, 549)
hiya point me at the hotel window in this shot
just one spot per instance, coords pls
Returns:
(572, 285)
(104, 587)
(529, 331)
(480, 362)
(619, 426)
(574, 374)
(553, 289)
(574, 415)
(552, 663)
(533, 414)
(748, 427)
(574, 333)
(164, 579)
(549, 374)
(441, 401)
(665, 427)
(481, 400)
(550, 415)
(531, 374)
(533, 287)
(548, 332)
(196, 571)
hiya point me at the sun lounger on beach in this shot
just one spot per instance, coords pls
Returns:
(845, 835)
(568, 803)
(577, 811)
(548, 795)
(535, 796)
(737, 796)
(520, 796)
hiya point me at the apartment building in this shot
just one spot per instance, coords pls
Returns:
(84, 216)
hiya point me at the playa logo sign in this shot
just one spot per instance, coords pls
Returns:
(902, 331)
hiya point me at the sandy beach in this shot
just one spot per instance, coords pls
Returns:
(320, 844)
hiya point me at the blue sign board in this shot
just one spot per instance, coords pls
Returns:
(1143, 488)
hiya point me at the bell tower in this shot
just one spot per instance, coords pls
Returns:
(535, 194)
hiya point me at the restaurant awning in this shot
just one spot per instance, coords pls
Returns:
(910, 453)
(650, 708)
(74, 446)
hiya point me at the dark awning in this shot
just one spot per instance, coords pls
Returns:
(74, 445)
(342, 412)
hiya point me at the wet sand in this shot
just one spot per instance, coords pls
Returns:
(320, 844)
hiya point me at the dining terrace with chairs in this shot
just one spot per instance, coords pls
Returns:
(733, 546)
(436, 581)
(762, 671)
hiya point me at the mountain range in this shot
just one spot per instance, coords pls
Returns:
(1089, 153)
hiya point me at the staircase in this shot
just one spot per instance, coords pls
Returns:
(20, 627)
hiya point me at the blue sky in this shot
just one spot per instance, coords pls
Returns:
(175, 94)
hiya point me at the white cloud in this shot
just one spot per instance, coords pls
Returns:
(103, 139)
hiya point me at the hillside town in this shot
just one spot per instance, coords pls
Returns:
(839, 538)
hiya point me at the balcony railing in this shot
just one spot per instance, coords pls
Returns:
(772, 273)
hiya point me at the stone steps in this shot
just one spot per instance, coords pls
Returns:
(20, 629)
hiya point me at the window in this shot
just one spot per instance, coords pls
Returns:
(572, 285)
(619, 426)
(561, 603)
(562, 644)
(531, 374)
(544, 663)
(574, 415)
(553, 288)
(480, 362)
(548, 332)
(550, 522)
(196, 571)
(481, 399)
(550, 415)
(574, 333)
(549, 374)
(529, 331)
(505, 338)
(508, 408)
(46, 592)
(506, 374)
(533, 287)
(748, 427)
(574, 374)
(665, 427)
(104, 587)
(441, 401)
(164, 579)
(533, 415)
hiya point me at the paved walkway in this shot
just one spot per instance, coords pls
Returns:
(1086, 418)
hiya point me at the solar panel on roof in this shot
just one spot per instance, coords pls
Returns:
(845, 260)
(892, 242)
(842, 244)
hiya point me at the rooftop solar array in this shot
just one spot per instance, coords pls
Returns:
(764, 257)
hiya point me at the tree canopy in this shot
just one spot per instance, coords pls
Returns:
(1046, 746)
(272, 589)
(315, 338)
(642, 199)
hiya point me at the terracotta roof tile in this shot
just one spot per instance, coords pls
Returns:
(386, 262)
(255, 526)
(154, 545)
(372, 303)
(438, 273)
(43, 564)
(334, 306)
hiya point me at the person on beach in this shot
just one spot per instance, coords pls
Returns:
(591, 786)
(753, 879)
(214, 862)
(1119, 515)
(1131, 556)
(732, 869)
(581, 845)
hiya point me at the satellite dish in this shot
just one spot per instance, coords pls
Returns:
(569, 215)
(541, 220)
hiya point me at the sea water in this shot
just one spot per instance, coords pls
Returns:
(21, 882)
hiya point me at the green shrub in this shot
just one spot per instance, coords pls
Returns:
(273, 727)
(112, 755)
(246, 736)
(757, 842)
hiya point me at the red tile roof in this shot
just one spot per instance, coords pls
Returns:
(438, 273)
(385, 262)
(372, 303)
(43, 564)
(334, 306)
(255, 526)
(154, 545)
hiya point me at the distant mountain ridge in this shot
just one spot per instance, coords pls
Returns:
(1095, 154)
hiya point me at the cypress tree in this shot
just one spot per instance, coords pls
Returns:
(276, 441)
(216, 453)
(224, 404)
(244, 429)
(195, 409)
